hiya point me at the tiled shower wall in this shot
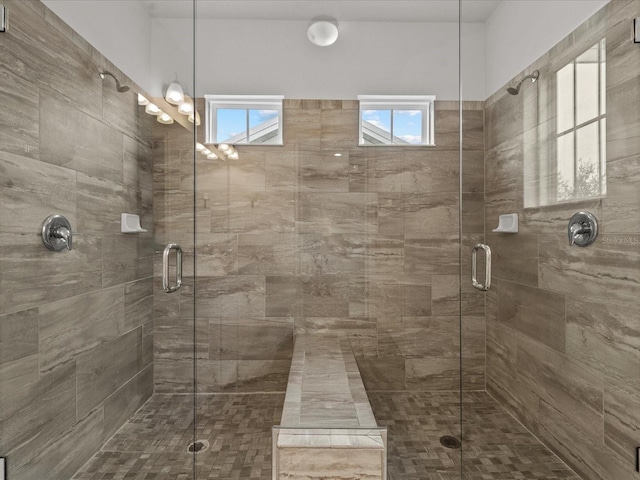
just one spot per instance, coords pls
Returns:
(563, 323)
(294, 238)
(75, 326)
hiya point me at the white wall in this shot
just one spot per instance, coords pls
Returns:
(520, 31)
(275, 57)
(119, 29)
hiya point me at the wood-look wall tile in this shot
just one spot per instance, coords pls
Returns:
(433, 373)
(573, 389)
(579, 448)
(537, 313)
(621, 402)
(604, 336)
(386, 171)
(383, 374)
(391, 213)
(263, 375)
(256, 212)
(256, 338)
(19, 132)
(417, 172)
(502, 122)
(569, 270)
(445, 171)
(515, 257)
(268, 254)
(147, 344)
(473, 212)
(70, 141)
(283, 296)
(100, 204)
(339, 130)
(124, 402)
(18, 373)
(67, 71)
(504, 163)
(230, 296)
(106, 368)
(427, 256)
(248, 172)
(361, 331)
(421, 337)
(281, 171)
(34, 415)
(64, 334)
(138, 303)
(63, 456)
(473, 171)
(24, 259)
(303, 128)
(431, 214)
(332, 213)
(325, 296)
(181, 340)
(18, 335)
(620, 206)
(31, 191)
(324, 172)
(119, 255)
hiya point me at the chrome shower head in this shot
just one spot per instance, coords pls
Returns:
(534, 78)
(119, 87)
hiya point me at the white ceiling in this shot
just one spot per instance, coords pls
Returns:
(341, 10)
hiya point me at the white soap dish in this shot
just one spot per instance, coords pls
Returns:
(130, 223)
(507, 223)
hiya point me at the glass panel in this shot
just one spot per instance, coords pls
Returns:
(231, 125)
(566, 167)
(407, 126)
(587, 85)
(565, 105)
(588, 161)
(264, 126)
(376, 127)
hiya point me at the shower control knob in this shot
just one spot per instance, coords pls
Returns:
(56, 233)
(583, 229)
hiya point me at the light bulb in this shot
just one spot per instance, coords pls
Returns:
(200, 147)
(153, 109)
(165, 119)
(175, 94)
(224, 148)
(206, 151)
(212, 156)
(142, 100)
(186, 107)
(233, 156)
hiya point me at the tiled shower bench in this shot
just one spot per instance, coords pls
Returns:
(328, 429)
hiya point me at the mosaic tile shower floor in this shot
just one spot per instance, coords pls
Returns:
(152, 445)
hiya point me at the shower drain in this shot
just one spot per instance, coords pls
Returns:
(198, 446)
(450, 442)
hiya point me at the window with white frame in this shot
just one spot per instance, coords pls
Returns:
(244, 119)
(396, 120)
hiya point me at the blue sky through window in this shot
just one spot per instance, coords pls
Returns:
(230, 122)
(407, 124)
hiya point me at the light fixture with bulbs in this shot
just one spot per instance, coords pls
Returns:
(152, 109)
(323, 33)
(186, 107)
(165, 119)
(194, 118)
(142, 100)
(175, 94)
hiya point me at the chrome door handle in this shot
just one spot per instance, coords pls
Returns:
(165, 268)
(487, 267)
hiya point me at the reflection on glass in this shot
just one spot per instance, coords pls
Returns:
(263, 126)
(572, 167)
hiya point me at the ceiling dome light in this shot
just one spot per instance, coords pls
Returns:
(165, 119)
(186, 107)
(153, 109)
(175, 94)
(142, 101)
(323, 33)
